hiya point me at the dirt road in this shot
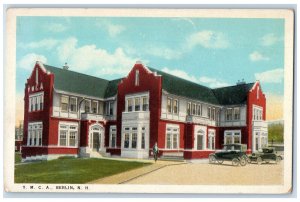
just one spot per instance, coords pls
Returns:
(212, 174)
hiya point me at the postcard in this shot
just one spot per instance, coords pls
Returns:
(149, 100)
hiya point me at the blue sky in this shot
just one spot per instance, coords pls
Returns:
(213, 52)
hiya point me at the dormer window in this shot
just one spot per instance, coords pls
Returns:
(137, 77)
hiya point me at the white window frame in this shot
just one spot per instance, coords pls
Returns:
(68, 129)
(211, 133)
(172, 127)
(189, 109)
(112, 131)
(35, 101)
(61, 103)
(97, 103)
(171, 105)
(130, 132)
(226, 113)
(37, 127)
(177, 106)
(90, 105)
(257, 113)
(198, 128)
(75, 104)
(133, 97)
(232, 134)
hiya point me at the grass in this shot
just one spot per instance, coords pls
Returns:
(18, 157)
(71, 170)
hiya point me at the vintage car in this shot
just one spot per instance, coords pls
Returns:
(266, 154)
(236, 153)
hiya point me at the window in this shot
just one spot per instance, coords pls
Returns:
(229, 114)
(194, 109)
(36, 103)
(231, 137)
(208, 112)
(172, 136)
(64, 103)
(236, 112)
(169, 105)
(111, 108)
(137, 77)
(211, 139)
(100, 107)
(95, 107)
(175, 106)
(132, 136)
(87, 106)
(257, 113)
(213, 113)
(126, 140)
(199, 110)
(137, 104)
(73, 104)
(188, 111)
(145, 103)
(72, 138)
(130, 105)
(35, 131)
(143, 139)
(134, 140)
(200, 139)
(113, 136)
(41, 102)
(68, 134)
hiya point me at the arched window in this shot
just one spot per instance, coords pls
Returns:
(200, 139)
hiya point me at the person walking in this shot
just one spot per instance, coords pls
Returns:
(155, 151)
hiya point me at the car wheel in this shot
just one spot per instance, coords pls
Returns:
(220, 162)
(243, 161)
(235, 162)
(259, 160)
(212, 159)
(278, 159)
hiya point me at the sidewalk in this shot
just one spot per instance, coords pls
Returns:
(134, 174)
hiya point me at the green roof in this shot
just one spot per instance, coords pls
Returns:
(185, 88)
(70, 81)
(74, 82)
(232, 95)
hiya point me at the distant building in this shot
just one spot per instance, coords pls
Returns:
(18, 137)
(69, 113)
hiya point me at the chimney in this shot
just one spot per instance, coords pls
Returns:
(66, 67)
(240, 82)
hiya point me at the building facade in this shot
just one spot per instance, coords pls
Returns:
(69, 113)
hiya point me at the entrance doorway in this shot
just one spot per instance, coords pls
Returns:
(96, 137)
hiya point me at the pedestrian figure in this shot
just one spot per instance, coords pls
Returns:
(155, 151)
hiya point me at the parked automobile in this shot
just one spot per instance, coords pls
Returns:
(266, 155)
(236, 153)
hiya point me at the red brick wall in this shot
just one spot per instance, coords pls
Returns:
(147, 82)
(43, 115)
(252, 100)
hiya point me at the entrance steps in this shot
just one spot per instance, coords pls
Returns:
(95, 154)
(174, 156)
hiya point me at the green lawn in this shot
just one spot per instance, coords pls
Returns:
(18, 157)
(74, 170)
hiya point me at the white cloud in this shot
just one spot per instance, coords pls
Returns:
(112, 29)
(212, 82)
(257, 56)
(208, 39)
(44, 44)
(270, 39)
(162, 52)
(206, 81)
(271, 76)
(55, 27)
(85, 58)
(28, 61)
(181, 74)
